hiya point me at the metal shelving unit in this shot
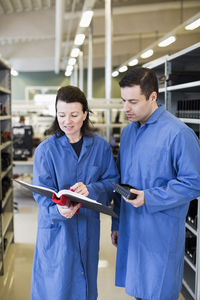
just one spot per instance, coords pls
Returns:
(99, 106)
(6, 188)
(185, 86)
(191, 279)
(182, 82)
(110, 128)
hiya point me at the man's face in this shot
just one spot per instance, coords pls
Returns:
(136, 106)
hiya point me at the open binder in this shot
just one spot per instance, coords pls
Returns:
(86, 202)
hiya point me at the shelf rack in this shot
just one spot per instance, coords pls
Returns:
(182, 81)
(6, 188)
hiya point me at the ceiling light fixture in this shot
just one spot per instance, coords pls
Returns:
(75, 52)
(115, 74)
(14, 72)
(123, 69)
(79, 39)
(168, 41)
(68, 73)
(72, 61)
(69, 68)
(86, 18)
(193, 25)
(147, 53)
(133, 62)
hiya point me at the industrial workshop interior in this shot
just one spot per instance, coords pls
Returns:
(48, 44)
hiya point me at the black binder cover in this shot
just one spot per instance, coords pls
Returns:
(86, 202)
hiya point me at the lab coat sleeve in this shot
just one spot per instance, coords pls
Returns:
(116, 209)
(102, 190)
(185, 186)
(117, 203)
(42, 176)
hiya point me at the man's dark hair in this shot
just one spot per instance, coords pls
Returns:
(70, 94)
(145, 78)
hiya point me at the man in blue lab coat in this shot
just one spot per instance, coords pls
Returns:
(160, 157)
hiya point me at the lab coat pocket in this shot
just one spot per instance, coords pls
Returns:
(160, 233)
(93, 173)
(49, 246)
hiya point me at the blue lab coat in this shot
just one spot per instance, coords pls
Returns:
(66, 253)
(162, 157)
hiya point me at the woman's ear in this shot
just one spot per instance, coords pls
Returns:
(85, 115)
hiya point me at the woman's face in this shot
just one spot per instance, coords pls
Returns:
(70, 119)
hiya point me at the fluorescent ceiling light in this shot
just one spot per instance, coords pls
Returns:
(69, 68)
(72, 61)
(193, 25)
(79, 39)
(68, 73)
(86, 18)
(133, 62)
(168, 41)
(115, 74)
(14, 72)
(75, 52)
(123, 69)
(147, 53)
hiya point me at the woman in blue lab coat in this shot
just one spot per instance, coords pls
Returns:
(67, 247)
(160, 158)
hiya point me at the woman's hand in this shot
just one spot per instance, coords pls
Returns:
(80, 188)
(68, 212)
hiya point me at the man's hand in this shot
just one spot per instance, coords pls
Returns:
(139, 200)
(114, 237)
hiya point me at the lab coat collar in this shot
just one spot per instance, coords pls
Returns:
(156, 114)
(87, 141)
(153, 118)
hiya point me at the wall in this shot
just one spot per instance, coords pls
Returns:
(35, 79)
(51, 79)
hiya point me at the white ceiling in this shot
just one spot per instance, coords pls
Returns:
(29, 43)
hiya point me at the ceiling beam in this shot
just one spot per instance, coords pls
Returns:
(27, 4)
(21, 39)
(119, 38)
(69, 28)
(17, 4)
(58, 33)
(136, 9)
(7, 6)
(37, 4)
(46, 4)
(2, 11)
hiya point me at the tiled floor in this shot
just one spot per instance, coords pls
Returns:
(15, 284)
